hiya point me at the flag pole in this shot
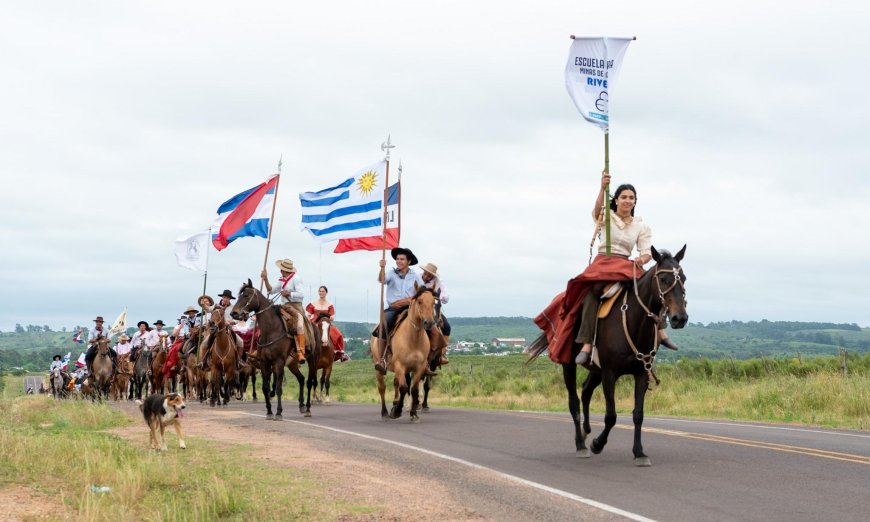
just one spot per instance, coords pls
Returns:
(607, 193)
(386, 146)
(399, 210)
(272, 219)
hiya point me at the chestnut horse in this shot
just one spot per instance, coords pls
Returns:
(409, 345)
(223, 359)
(158, 359)
(122, 378)
(273, 348)
(327, 357)
(627, 342)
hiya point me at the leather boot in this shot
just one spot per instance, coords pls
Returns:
(300, 348)
(381, 364)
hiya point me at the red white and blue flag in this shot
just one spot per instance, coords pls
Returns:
(80, 363)
(65, 361)
(77, 338)
(245, 215)
(377, 242)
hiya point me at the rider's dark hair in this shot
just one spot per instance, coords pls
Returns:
(619, 189)
(324, 289)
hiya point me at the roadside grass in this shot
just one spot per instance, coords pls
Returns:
(60, 448)
(812, 391)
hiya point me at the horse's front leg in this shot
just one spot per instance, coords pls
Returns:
(608, 381)
(382, 390)
(569, 374)
(593, 379)
(400, 388)
(641, 384)
(279, 390)
(311, 384)
(415, 394)
(425, 406)
(267, 382)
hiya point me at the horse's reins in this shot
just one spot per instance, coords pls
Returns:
(649, 358)
(258, 312)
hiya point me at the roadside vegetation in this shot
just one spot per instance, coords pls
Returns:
(810, 391)
(61, 449)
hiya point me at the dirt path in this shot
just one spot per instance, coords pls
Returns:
(393, 491)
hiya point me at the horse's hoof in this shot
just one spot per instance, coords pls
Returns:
(278, 417)
(307, 414)
(415, 419)
(595, 447)
(583, 453)
(642, 462)
(425, 409)
(269, 416)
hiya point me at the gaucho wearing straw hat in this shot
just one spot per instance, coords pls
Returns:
(292, 292)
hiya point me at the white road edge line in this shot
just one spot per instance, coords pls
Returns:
(513, 478)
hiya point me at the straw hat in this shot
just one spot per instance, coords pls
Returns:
(286, 265)
(210, 300)
(429, 267)
(191, 309)
(123, 337)
(412, 259)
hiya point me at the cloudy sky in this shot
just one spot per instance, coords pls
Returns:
(125, 124)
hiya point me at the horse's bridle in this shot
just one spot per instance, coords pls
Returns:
(649, 358)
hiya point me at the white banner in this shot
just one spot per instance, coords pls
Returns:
(120, 325)
(191, 252)
(592, 68)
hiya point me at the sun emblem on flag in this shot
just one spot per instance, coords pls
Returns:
(366, 182)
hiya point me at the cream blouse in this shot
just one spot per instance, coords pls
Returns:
(625, 237)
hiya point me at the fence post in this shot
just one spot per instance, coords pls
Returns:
(844, 360)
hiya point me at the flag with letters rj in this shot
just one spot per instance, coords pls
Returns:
(376, 242)
(350, 209)
(590, 74)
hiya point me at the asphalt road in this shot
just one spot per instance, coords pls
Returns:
(521, 465)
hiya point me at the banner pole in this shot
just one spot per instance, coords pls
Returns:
(382, 351)
(399, 210)
(271, 220)
(607, 193)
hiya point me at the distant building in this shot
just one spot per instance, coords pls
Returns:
(504, 342)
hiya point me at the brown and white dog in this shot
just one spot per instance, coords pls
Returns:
(160, 411)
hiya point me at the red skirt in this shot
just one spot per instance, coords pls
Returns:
(561, 315)
(172, 358)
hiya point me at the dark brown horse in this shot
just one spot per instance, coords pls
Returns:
(141, 370)
(627, 342)
(158, 359)
(327, 357)
(273, 348)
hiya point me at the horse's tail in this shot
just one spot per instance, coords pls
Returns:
(535, 349)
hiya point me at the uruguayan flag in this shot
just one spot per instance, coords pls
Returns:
(353, 208)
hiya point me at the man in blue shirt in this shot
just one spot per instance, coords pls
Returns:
(400, 283)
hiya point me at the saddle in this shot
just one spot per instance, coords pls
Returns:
(611, 293)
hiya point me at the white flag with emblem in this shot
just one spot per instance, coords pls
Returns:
(592, 68)
(120, 325)
(191, 252)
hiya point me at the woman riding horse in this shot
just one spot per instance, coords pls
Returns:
(323, 309)
(580, 299)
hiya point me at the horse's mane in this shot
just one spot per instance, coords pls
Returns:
(422, 290)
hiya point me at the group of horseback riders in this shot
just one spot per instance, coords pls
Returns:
(189, 333)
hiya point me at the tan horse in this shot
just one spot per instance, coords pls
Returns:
(327, 358)
(102, 369)
(409, 344)
(223, 360)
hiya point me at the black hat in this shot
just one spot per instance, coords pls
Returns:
(56, 357)
(226, 293)
(160, 322)
(140, 323)
(412, 259)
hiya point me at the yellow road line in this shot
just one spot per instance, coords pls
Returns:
(810, 452)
